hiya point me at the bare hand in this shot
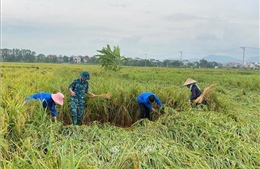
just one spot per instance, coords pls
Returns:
(155, 111)
(91, 95)
(73, 93)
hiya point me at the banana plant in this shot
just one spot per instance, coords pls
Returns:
(110, 60)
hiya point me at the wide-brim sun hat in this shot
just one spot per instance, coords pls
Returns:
(189, 81)
(85, 75)
(58, 98)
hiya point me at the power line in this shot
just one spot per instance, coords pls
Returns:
(252, 48)
(163, 54)
(182, 52)
(198, 52)
(211, 52)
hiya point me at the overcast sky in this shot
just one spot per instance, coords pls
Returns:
(157, 29)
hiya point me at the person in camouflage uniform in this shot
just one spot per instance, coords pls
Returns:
(78, 88)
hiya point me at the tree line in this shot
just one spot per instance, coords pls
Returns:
(28, 56)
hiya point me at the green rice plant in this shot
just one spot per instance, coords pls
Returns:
(223, 135)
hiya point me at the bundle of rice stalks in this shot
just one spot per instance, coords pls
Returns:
(205, 91)
(105, 95)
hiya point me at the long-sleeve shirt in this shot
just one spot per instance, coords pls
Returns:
(195, 92)
(46, 100)
(79, 87)
(144, 98)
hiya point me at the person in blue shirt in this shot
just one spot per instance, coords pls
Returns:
(145, 101)
(48, 101)
(78, 88)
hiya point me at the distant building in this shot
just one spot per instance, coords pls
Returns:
(251, 65)
(154, 61)
(233, 64)
(85, 58)
(51, 56)
(185, 62)
(60, 59)
(76, 59)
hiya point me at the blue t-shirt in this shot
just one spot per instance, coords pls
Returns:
(144, 98)
(46, 100)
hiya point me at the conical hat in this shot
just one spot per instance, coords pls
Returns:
(189, 81)
(58, 98)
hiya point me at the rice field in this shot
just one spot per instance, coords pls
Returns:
(225, 134)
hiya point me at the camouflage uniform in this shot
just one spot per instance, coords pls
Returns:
(77, 102)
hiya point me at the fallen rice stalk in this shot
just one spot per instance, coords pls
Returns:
(105, 95)
(205, 91)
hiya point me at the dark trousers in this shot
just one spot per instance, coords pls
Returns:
(200, 105)
(144, 111)
(203, 102)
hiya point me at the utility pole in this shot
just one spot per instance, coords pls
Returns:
(244, 50)
(181, 58)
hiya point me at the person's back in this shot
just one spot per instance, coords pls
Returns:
(48, 100)
(44, 97)
(143, 97)
(195, 92)
(145, 101)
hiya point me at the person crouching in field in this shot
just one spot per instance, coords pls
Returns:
(195, 90)
(78, 88)
(48, 101)
(145, 101)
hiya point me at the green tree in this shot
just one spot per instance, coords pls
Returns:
(29, 58)
(19, 58)
(71, 59)
(203, 63)
(66, 59)
(110, 60)
(176, 63)
(92, 60)
(54, 59)
(40, 58)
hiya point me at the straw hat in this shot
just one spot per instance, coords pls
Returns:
(58, 98)
(189, 81)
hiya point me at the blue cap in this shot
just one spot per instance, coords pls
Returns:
(85, 75)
